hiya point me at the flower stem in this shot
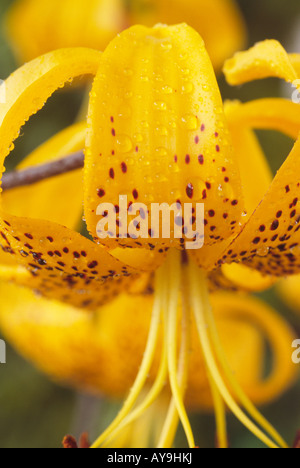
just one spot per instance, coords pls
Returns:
(35, 174)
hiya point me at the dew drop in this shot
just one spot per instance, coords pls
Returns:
(166, 45)
(225, 191)
(263, 251)
(189, 122)
(187, 88)
(161, 152)
(199, 187)
(167, 90)
(160, 105)
(124, 144)
(162, 131)
(138, 137)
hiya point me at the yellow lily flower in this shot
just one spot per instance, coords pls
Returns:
(35, 28)
(97, 353)
(158, 132)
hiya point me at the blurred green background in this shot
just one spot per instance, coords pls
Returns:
(35, 412)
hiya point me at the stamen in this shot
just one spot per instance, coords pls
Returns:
(153, 394)
(246, 402)
(170, 426)
(198, 295)
(220, 414)
(171, 338)
(146, 363)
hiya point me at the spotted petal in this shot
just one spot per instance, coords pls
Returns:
(269, 242)
(63, 264)
(157, 133)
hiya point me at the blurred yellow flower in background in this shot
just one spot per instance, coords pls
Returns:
(35, 27)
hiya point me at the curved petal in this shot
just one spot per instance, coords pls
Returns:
(51, 203)
(29, 87)
(266, 114)
(218, 21)
(266, 59)
(35, 28)
(158, 132)
(269, 241)
(69, 345)
(252, 165)
(64, 265)
(252, 162)
(74, 268)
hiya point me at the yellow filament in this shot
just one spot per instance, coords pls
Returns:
(220, 414)
(171, 338)
(246, 402)
(198, 288)
(153, 394)
(169, 430)
(146, 363)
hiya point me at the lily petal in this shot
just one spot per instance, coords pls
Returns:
(269, 241)
(252, 162)
(64, 265)
(29, 87)
(158, 132)
(266, 59)
(75, 267)
(276, 114)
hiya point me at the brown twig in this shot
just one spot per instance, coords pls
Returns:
(41, 172)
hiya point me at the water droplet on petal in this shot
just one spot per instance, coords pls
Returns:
(124, 144)
(263, 251)
(167, 90)
(187, 88)
(162, 152)
(160, 105)
(162, 131)
(189, 122)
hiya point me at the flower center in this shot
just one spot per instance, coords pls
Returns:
(180, 292)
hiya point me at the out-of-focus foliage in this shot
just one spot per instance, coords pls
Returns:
(35, 412)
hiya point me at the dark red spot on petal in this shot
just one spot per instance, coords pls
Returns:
(100, 193)
(190, 190)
